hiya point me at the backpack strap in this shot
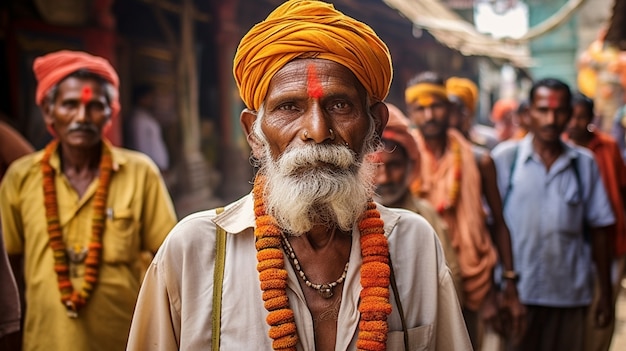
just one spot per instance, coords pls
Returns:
(218, 279)
(509, 186)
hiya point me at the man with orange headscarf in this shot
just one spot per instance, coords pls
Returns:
(78, 214)
(307, 261)
(398, 167)
(451, 181)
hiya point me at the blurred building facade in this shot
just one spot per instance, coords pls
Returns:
(185, 48)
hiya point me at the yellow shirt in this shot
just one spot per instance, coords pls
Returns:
(139, 216)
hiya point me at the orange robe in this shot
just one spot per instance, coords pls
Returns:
(469, 236)
(613, 172)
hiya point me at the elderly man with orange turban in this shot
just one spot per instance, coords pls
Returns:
(79, 213)
(307, 261)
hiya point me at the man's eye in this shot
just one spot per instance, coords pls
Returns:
(287, 107)
(70, 104)
(96, 106)
(340, 107)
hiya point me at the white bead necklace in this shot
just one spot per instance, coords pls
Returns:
(325, 290)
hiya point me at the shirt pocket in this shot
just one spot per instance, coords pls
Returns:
(419, 338)
(120, 238)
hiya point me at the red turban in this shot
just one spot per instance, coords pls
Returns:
(502, 108)
(397, 130)
(52, 68)
(309, 29)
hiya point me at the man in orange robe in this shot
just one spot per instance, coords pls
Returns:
(450, 181)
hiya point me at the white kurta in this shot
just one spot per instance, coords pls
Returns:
(174, 307)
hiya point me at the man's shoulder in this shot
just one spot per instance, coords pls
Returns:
(194, 232)
(505, 149)
(25, 165)
(133, 158)
(403, 224)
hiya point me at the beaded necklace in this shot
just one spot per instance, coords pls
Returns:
(325, 290)
(374, 306)
(72, 299)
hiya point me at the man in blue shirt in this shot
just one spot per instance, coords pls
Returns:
(556, 208)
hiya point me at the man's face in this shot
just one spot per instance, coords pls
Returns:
(392, 173)
(315, 176)
(431, 116)
(78, 113)
(549, 113)
(295, 116)
(505, 129)
(577, 126)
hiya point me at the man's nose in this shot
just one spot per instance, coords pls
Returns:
(81, 113)
(318, 126)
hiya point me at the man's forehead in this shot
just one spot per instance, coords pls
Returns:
(551, 98)
(427, 100)
(317, 76)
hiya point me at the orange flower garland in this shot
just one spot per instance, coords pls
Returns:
(72, 299)
(455, 187)
(374, 305)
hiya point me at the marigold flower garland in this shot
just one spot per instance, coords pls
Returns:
(374, 303)
(72, 299)
(455, 187)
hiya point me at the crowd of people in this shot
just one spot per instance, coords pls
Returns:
(369, 226)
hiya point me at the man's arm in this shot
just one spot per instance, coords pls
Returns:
(153, 326)
(604, 313)
(502, 238)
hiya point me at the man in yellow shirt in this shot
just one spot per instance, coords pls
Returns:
(79, 213)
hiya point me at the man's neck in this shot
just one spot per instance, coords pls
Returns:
(78, 160)
(583, 139)
(437, 145)
(547, 151)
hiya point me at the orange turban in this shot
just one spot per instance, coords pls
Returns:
(52, 68)
(423, 93)
(502, 108)
(465, 90)
(397, 130)
(303, 28)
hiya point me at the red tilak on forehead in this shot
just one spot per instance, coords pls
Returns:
(314, 87)
(86, 95)
(553, 101)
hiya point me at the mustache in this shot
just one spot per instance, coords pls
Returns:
(550, 128)
(309, 155)
(83, 127)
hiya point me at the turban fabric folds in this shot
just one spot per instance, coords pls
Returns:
(422, 93)
(52, 68)
(502, 108)
(398, 131)
(309, 29)
(465, 90)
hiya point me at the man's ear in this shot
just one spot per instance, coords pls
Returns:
(247, 119)
(46, 111)
(380, 113)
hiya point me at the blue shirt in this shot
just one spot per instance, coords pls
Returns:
(546, 211)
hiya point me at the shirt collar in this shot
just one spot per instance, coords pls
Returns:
(119, 159)
(526, 150)
(239, 216)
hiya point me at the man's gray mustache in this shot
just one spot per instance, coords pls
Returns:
(83, 127)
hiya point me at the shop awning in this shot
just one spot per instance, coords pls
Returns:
(455, 32)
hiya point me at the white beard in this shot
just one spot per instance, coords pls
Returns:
(317, 184)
